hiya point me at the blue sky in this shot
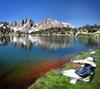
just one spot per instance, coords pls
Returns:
(76, 12)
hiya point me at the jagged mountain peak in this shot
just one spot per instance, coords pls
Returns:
(28, 26)
(52, 23)
(22, 22)
(25, 25)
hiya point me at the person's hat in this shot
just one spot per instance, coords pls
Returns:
(89, 59)
(93, 52)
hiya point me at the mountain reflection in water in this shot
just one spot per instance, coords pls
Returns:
(24, 59)
(51, 42)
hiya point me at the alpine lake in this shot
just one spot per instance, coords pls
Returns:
(24, 59)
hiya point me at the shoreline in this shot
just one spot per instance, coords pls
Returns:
(52, 79)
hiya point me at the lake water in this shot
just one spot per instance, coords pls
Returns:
(24, 59)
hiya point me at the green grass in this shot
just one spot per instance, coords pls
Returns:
(86, 35)
(54, 80)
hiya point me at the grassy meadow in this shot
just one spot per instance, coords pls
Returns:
(54, 80)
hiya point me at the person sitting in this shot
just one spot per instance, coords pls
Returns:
(88, 68)
(92, 54)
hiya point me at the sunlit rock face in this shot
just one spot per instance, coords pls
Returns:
(28, 26)
(51, 23)
(4, 26)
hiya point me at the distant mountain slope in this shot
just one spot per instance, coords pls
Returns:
(51, 23)
(28, 26)
(4, 26)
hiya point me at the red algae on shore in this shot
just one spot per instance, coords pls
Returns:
(22, 77)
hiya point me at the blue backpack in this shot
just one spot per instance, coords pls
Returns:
(85, 71)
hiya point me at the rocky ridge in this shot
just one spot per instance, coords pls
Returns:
(28, 26)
